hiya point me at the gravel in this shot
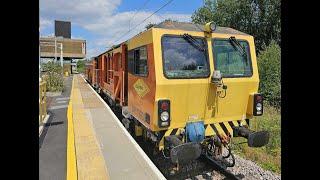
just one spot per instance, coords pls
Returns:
(246, 169)
(251, 170)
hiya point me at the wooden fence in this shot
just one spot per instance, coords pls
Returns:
(42, 101)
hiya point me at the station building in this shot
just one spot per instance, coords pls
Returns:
(61, 45)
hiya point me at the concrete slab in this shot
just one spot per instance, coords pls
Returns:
(53, 94)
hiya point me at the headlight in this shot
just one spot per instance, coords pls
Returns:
(259, 106)
(213, 26)
(210, 27)
(164, 116)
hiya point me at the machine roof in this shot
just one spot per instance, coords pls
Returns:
(195, 27)
(187, 26)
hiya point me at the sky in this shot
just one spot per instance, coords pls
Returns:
(102, 23)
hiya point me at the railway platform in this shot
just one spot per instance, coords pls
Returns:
(98, 146)
(53, 137)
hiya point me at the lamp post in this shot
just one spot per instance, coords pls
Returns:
(61, 50)
(55, 49)
(61, 55)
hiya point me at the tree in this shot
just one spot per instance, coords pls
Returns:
(205, 13)
(259, 18)
(270, 73)
(81, 66)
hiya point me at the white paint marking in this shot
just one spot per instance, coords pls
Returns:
(63, 99)
(143, 154)
(60, 102)
(58, 107)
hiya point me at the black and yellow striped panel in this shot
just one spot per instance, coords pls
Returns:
(222, 128)
(169, 132)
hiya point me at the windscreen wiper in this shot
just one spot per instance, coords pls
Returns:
(238, 46)
(193, 42)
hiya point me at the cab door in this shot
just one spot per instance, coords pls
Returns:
(184, 77)
(237, 64)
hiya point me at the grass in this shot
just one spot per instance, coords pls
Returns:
(269, 156)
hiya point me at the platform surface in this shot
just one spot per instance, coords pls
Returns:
(104, 149)
(53, 139)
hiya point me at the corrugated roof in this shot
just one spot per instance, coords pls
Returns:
(195, 27)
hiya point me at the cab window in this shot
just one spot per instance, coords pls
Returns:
(230, 59)
(137, 61)
(184, 59)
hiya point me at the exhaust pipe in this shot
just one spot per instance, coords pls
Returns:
(255, 139)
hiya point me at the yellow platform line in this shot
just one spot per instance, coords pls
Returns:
(90, 160)
(71, 151)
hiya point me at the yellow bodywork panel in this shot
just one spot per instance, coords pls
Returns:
(195, 99)
(140, 40)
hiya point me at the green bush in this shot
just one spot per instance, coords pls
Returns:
(53, 76)
(270, 73)
(270, 121)
(81, 66)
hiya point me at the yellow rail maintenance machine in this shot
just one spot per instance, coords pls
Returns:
(185, 87)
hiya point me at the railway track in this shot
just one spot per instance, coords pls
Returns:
(202, 168)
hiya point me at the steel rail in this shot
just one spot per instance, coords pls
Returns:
(223, 170)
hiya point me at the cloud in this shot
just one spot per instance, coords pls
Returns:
(114, 28)
(44, 23)
(93, 52)
(78, 11)
(100, 19)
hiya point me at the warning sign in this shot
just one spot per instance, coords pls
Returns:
(141, 87)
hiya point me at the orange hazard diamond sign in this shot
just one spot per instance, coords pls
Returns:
(141, 87)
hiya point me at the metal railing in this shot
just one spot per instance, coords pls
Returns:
(42, 101)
